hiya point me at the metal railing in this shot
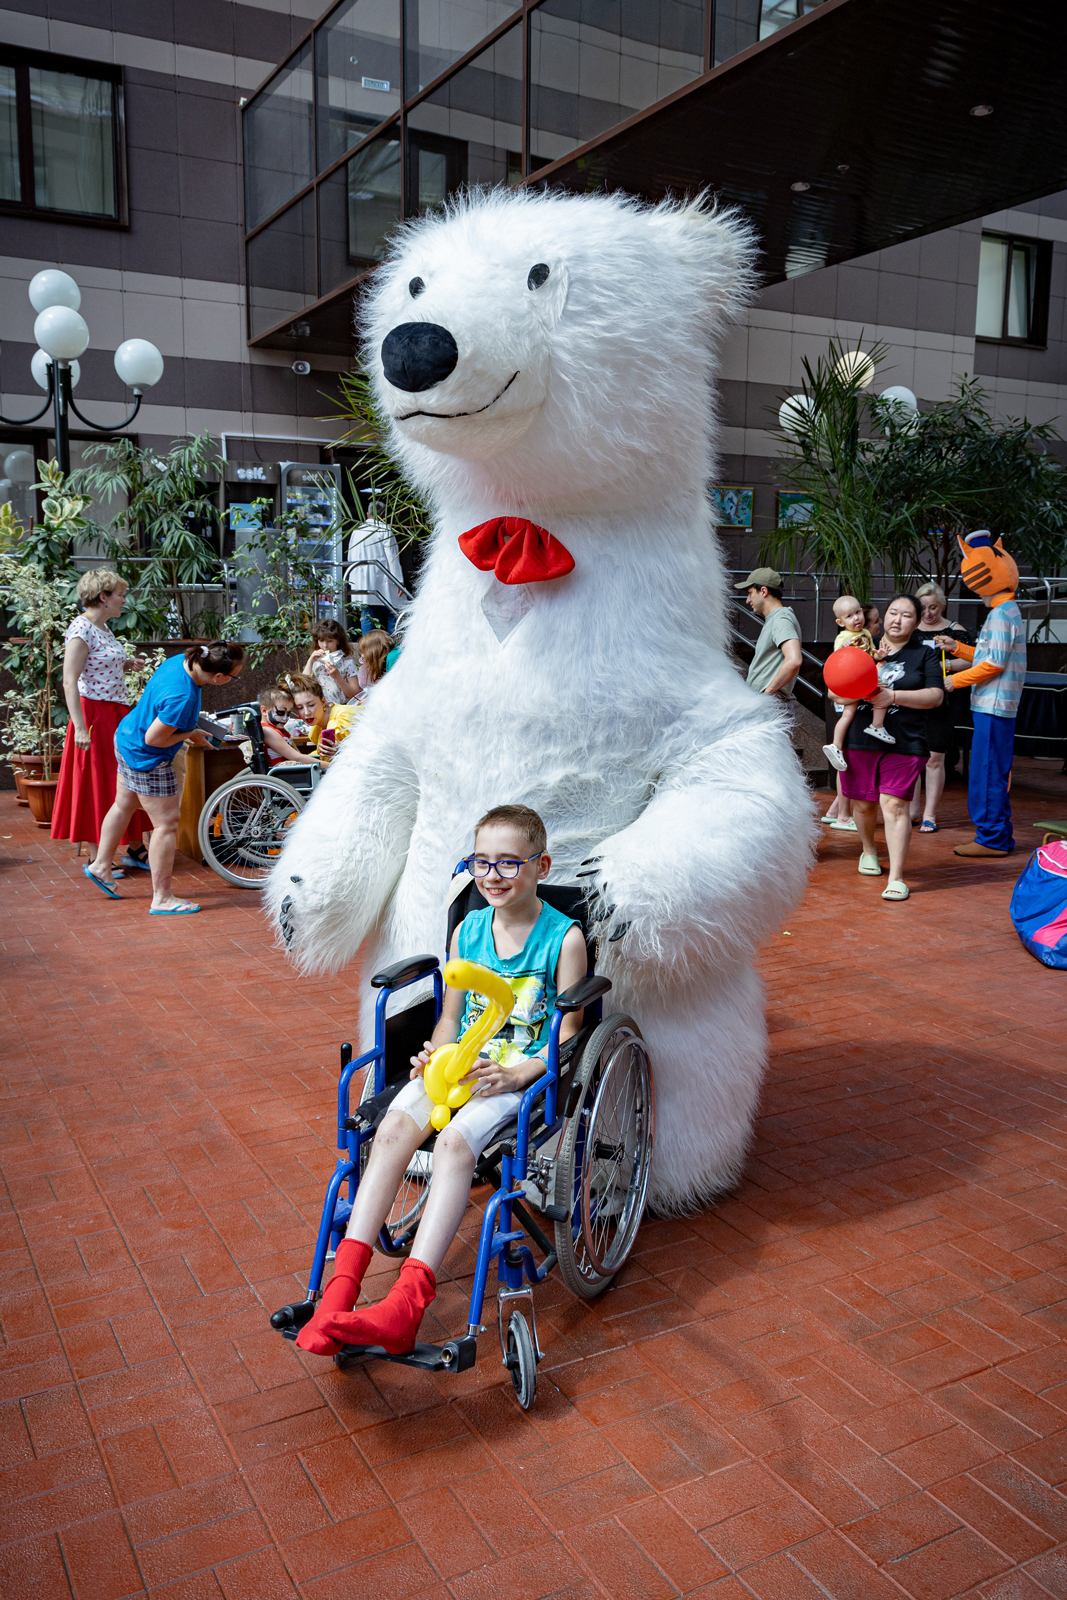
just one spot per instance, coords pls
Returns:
(820, 589)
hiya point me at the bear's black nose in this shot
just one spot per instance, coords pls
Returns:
(417, 355)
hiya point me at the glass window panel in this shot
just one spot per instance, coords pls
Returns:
(741, 23)
(1020, 292)
(10, 188)
(73, 142)
(358, 64)
(438, 32)
(277, 135)
(992, 275)
(469, 131)
(281, 267)
(359, 206)
(593, 64)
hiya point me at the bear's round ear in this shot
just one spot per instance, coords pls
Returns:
(718, 247)
(546, 285)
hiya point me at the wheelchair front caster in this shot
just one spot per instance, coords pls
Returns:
(521, 1361)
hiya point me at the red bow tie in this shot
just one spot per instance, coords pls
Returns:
(516, 550)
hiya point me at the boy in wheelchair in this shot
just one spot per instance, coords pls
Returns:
(541, 953)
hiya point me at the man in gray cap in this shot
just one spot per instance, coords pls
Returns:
(777, 658)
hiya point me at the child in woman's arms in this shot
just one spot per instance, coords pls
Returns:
(854, 631)
(541, 953)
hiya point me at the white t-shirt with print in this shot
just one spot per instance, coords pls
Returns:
(102, 677)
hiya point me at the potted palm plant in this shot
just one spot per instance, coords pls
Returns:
(41, 609)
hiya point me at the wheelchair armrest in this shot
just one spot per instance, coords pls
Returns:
(402, 972)
(578, 997)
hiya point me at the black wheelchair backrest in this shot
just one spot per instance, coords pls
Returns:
(565, 897)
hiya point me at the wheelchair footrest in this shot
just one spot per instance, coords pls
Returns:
(456, 1355)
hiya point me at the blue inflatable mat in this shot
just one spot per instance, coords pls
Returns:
(1039, 904)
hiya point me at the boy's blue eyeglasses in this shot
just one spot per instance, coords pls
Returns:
(507, 866)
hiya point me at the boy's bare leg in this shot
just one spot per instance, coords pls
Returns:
(394, 1145)
(449, 1197)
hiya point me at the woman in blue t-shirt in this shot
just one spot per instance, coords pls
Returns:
(146, 743)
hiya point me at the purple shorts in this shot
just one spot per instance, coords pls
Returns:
(870, 773)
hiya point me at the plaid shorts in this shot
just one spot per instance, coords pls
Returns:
(159, 781)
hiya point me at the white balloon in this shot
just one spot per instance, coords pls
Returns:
(138, 363)
(54, 288)
(796, 414)
(855, 366)
(898, 395)
(20, 466)
(39, 369)
(61, 333)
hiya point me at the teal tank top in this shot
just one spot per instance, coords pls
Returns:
(531, 974)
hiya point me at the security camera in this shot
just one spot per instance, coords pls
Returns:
(301, 368)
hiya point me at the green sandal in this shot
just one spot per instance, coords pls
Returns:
(869, 867)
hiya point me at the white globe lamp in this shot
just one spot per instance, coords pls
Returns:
(138, 363)
(54, 288)
(901, 399)
(61, 333)
(855, 367)
(796, 415)
(39, 370)
(20, 467)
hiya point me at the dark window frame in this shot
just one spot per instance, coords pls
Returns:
(1036, 337)
(22, 60)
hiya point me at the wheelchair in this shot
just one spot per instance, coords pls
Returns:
(569, 1172)
(243, 825)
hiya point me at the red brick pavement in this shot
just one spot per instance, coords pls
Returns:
(848, 1379)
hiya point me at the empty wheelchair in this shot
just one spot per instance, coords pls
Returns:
(569, 1173)
(243, 825)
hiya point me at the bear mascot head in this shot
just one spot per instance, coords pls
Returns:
(545, 363)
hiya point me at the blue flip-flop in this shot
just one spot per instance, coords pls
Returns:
(135, 861)
(100, 884)
(175, 911)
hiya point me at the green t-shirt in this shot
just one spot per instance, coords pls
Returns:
(779, 626)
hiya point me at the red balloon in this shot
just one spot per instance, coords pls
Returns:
(850, 674)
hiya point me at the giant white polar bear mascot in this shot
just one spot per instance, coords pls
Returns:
(550, 358)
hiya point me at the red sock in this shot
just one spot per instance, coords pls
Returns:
(340, 1294)
(394, 1322)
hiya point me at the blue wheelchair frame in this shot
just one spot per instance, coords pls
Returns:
(500, 1240)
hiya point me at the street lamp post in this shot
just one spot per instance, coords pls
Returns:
(62, 336)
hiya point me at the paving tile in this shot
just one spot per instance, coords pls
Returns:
(868, 1335)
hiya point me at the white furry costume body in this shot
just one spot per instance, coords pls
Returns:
(579, 399)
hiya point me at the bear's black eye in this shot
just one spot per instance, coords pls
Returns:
(538, 275)
(416, 286)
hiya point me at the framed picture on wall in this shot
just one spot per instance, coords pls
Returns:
(795, 509)
(731, 507)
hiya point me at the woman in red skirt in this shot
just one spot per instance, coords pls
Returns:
(94, 667)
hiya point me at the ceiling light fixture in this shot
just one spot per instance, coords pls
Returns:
(798, 188)
(981, 111)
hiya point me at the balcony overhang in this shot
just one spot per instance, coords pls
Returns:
(869, 103)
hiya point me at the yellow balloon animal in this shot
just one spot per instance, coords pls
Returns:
(451, 1062)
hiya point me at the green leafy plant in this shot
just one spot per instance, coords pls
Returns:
(393, 500)
(956, 468)
(154, 538)
(41, 610)
(136, 678)
(828, 458)
(892, 489)
(289, 586)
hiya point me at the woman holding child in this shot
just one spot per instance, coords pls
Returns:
(541, 953)
(878, 774)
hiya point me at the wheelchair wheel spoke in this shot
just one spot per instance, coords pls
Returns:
(608, 1149)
